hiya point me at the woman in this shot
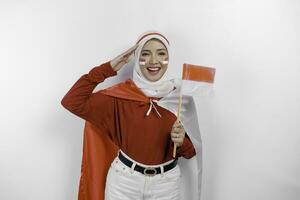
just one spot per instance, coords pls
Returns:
(129, 114)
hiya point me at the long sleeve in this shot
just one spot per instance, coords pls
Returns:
(186, 150)
(96, 108)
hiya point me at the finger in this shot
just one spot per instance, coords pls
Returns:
(178, 130)
(176, 135)
(127, 53)
(178, 121)
(177, 140)
(126, 56)
(173, 134)
(175, 127)
(177, 124)
(130, 50)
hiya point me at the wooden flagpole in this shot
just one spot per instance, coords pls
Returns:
(178, 119)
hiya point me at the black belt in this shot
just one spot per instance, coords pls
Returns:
(149, 171)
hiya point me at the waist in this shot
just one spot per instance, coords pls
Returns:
(149, 170)
(143, 164)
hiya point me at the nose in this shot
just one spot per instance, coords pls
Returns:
(153, 60)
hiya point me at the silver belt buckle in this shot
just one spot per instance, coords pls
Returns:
(150, 168)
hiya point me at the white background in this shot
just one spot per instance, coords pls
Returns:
(250, 126)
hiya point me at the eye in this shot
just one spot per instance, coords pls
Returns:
(145, 54)
(162, 53)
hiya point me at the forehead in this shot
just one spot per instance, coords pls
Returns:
(153, 44)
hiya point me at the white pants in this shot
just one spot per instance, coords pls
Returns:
(124, 183)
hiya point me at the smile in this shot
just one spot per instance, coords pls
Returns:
(153, 70)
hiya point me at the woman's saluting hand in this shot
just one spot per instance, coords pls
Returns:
(118, 62)
(177, 133)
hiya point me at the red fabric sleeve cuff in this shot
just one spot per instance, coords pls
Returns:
(184, 144)
(186, 150)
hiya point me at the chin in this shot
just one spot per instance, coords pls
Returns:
(152, 78)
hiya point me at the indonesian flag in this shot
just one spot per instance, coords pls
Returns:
(196, 80)
(198, 73)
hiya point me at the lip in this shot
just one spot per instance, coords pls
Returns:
(153, 70)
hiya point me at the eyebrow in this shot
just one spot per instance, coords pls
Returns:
(157, 50)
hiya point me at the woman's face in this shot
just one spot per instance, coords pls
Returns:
(153, 59)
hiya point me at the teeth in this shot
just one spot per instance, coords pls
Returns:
(153, 68)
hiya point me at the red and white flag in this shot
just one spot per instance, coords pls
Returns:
(198, 73)
(197, 80)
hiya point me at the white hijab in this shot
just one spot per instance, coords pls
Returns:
(158, 88)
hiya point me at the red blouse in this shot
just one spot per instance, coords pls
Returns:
(146, 139)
